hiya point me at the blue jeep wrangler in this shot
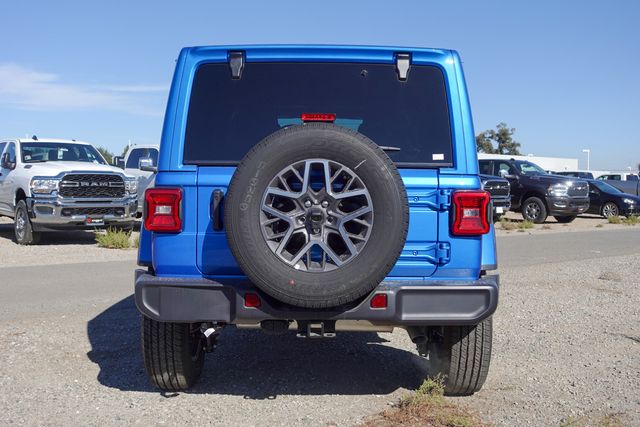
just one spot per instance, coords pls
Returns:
(317, 189)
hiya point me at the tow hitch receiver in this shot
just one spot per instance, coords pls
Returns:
(316, 329)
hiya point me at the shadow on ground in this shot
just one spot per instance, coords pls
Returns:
(54, 238)
(257, 366)
(66, 237)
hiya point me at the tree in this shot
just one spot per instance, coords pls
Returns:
(498, 141)
(124, 151)
(108, 156)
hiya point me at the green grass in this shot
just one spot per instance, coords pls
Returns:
(599, 226)
(505, 224)
(632, 220)
(136, 241)
(525, 225)
(614, 219)
(426, 406)
(114, 239)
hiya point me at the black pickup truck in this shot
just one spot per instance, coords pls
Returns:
(538, 194)
(499, 190)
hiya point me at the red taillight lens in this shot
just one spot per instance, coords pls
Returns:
(251, 300)
(318, 117)
(163, 209)
(379, 301)
(471, 213)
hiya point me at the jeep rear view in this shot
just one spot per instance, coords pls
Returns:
(314, 190)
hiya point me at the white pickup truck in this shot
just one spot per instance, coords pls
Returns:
(140, 161)
(57, 184)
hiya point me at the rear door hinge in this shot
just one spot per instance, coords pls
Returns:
(403, 63)
(443, 199)
(236, 63)
(443, 253)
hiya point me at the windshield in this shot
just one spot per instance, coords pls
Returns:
(36, 152)
(528, 168)
(607, 188)
(229, 116)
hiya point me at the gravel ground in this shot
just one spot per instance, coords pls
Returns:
(581, 223)
(567, 344)
(55, 248)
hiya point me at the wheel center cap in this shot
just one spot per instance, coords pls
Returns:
(315, 217)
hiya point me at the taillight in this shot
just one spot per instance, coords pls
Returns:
(163, 209)
(318, 117)
(470, 209)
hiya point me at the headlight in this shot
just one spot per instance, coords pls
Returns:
(559, 190)
(44, 186)
(629, 201)
(131, 185)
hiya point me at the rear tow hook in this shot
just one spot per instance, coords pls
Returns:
(209, 335)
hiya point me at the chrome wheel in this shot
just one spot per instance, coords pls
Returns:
(532, 211)
(610, 209)
(21, 223)
(316, 215)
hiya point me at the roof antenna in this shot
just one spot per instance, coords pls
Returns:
(35, 138)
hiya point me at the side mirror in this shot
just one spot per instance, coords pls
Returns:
(118, 161)
(505, 174)
(147, 165)
(5, 163)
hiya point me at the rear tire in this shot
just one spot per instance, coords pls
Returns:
(22, 226)
(565, 219)
(534, 210)
(172, 357)
(460, 354)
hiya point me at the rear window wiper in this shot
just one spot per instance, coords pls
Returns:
(390, 148)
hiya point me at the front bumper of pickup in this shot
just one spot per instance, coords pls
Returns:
(55, 213)
(567, 205)
(409, 303)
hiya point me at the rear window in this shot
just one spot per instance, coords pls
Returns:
(227, 117)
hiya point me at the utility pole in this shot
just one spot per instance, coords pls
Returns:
(588, 151)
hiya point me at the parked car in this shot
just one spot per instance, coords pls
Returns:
(538, 194)
(576, 174)
(57, 184)
(625, 182)
(319, 189)
(500, 193)
(141, 161)
(607, 200)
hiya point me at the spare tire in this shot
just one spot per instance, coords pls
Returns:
(316, 215)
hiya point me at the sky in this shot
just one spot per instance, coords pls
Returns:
(565, 75)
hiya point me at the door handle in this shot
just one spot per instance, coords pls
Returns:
(215, 211)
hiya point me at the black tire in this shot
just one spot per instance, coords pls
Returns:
(460, 354)
(354, 278)
(22, 227)
(610, 209)
(172, 357)
(565, 219)
(534, 210)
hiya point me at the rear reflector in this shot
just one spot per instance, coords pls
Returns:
(470, 209)
(379, 301)
(318, 117)
(163, 210)
(251, 300)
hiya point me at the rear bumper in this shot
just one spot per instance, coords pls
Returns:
(170, 299)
